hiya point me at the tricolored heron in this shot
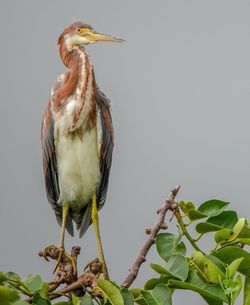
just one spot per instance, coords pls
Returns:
(77, 138)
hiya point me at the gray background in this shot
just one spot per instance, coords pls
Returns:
(180, 90)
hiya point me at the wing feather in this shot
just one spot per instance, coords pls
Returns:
(50, 167)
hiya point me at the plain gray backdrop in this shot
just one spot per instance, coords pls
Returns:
(180, 91)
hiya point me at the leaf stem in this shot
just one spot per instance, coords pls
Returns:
(24, 291)
(185, 232)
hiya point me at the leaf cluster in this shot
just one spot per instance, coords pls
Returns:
(217, 276)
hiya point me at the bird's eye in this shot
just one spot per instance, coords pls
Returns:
(78, 31)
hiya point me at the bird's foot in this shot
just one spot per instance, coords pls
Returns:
(50, 251)
(64, 256)
(95, 266)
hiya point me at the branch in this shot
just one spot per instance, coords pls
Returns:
(160, 224)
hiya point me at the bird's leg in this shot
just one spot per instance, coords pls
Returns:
(95, 220)
(65, 209)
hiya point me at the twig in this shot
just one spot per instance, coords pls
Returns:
(133, 271)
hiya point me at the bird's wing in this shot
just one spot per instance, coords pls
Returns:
(105, 137)
(50, 166)
(106, 145)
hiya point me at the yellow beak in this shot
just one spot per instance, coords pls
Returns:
(95, 37)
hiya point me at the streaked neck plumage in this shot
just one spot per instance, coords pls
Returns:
(76, 96)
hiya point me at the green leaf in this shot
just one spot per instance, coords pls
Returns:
(227, 219)
(208, 269)
(86, 300)
(233, 267)
(39, 300)
(127, 297)
(21, 302)
(212, 207)
(162, 294)
(185, 207)
(151, 283)
(247, 291)
(194, 283)
(12, 276)
(230, 253)
(166, 244)
(111, 292)
(212, 301)
(34, 283)
(7, 295)
(159, 269)
(245, 233)
(181, 249)
(149, 298)
(2, 277)
(61, 303)
(238, 228)
(205, 227)
(195, 215)
(238, 282)
(222, 235)
(177, 267)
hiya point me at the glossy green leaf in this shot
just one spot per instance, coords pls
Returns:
(246, 291)
(151, 283)
(61, 303)
(162, 294)
(111, 292)
(160, 269)
(149, 298)
(227, 219)
(238, 228)
(166, 244)
(245, 233)
(213, 207)
(195, 215)
(39, 300)
(222, 235)
(7, 295)
(207, 268)
(212, 301)
(231, 253)
(233, 267)
(205, 227)
(177, 267)
(34, 283)
(87, 300)
(194, 283)
(181, 249)
(127, 297)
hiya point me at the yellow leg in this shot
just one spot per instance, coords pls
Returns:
(95, 220)
(65, 209)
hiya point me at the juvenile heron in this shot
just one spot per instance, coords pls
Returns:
(77, 138)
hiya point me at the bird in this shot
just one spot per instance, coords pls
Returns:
(77, 139)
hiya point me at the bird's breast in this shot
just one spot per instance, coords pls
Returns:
(78, 165)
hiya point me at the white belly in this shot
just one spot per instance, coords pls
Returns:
(78, 167)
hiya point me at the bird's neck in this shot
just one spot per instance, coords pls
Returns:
(77, 95)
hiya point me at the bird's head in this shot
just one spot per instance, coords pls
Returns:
(81, 34)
